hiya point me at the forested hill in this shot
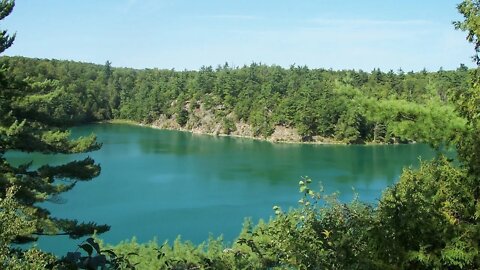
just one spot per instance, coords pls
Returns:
(292, 104)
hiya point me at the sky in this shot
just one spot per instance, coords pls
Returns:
(189, 34)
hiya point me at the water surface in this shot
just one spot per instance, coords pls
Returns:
(157, 183)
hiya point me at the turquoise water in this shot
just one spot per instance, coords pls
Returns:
(157, 183)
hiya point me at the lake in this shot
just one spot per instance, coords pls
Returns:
(159, 183)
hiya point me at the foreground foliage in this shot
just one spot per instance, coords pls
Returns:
(426, 221)
(25, 127)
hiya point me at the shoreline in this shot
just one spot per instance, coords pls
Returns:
(153, 126)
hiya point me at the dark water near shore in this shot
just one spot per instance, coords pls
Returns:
(157, 183)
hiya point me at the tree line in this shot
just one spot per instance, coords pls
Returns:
(348, 105)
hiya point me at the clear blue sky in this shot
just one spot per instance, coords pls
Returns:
(186, 34)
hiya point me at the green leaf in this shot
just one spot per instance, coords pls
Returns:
(88, 248)
(111, 254)
(94, 244)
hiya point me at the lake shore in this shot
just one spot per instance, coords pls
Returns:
(174, 179)
(273, 139)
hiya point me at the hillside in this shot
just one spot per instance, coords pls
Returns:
(297, 104)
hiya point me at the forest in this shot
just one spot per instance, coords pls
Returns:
(320, 105)
(429, 219)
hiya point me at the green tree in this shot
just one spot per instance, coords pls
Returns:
(6, 40)
(25, 128)
(468, 101)
(108, 70)
(16, 219)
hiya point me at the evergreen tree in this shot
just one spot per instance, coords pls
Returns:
(6, 40)
(25, 128)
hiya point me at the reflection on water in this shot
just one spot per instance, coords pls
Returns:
(165, 183)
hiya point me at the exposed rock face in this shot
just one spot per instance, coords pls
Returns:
(202, 121)
(207, 125)
(285, 134)
(243, 130)
(166, 123)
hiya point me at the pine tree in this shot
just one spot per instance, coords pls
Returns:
(24, 128)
